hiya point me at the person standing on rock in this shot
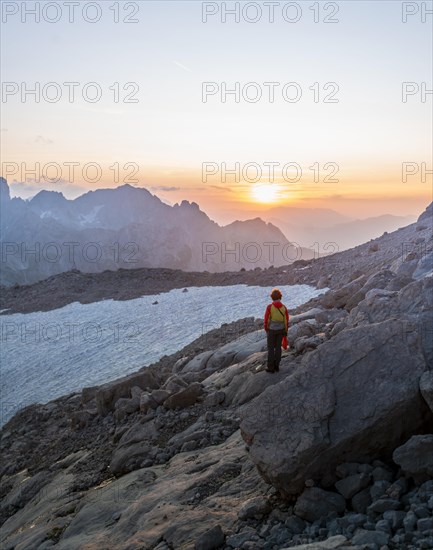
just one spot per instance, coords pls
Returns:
(276, 325)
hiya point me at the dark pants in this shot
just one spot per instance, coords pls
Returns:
(275, 338)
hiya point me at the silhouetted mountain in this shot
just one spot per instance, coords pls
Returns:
(323, 226)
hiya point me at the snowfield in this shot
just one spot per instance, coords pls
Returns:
(48, 354)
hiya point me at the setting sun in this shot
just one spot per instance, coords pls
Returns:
(265, 192)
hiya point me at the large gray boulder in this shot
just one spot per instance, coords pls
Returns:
(344, 295)
(356, 396)
(234, 352)
(184, 398)
(413, 305)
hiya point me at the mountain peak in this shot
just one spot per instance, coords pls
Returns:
(187, 204)
(48, 197)
(129, 187)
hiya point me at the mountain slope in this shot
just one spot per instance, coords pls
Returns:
(338, 442)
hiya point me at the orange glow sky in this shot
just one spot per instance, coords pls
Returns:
(369, 133)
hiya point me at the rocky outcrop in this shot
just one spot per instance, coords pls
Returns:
(108, 394)
(300, 428)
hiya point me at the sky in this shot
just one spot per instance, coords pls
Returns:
(338, 132)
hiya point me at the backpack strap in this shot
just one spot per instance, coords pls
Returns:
(279, 310)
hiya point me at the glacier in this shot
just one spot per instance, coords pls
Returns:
(45, 355)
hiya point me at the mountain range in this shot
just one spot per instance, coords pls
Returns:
(128, 227)
(328, 231)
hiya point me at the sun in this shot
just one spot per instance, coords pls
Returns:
(265, 192)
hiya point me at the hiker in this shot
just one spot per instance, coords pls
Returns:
(276, 326)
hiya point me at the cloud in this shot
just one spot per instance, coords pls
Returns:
(220, 188)
(44, 140)
(181, 66)
(164, 188)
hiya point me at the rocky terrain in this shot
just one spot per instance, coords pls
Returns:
(207, 450)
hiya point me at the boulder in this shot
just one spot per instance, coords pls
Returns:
(330, 315)
(214, 399)
(80, 419)
(300, 428)
(244, 382)
(233, 352)
(309, 314)
(305, 343)
(315, 504)
(159, 396)
(384, 505)
(197, 363)
(415, 457)
(108, 394)
(174, 384)
(127, 405)
(349, 486)
(180, 363)
(339, 298)
(302, 329)
(184, 398)
(254, 508)
(361, 501)
(382, 279)
(210, 539)
(147, 402)
(238, 540)
(236, 351)
(136, 392)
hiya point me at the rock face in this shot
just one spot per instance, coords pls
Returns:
(357, 395)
